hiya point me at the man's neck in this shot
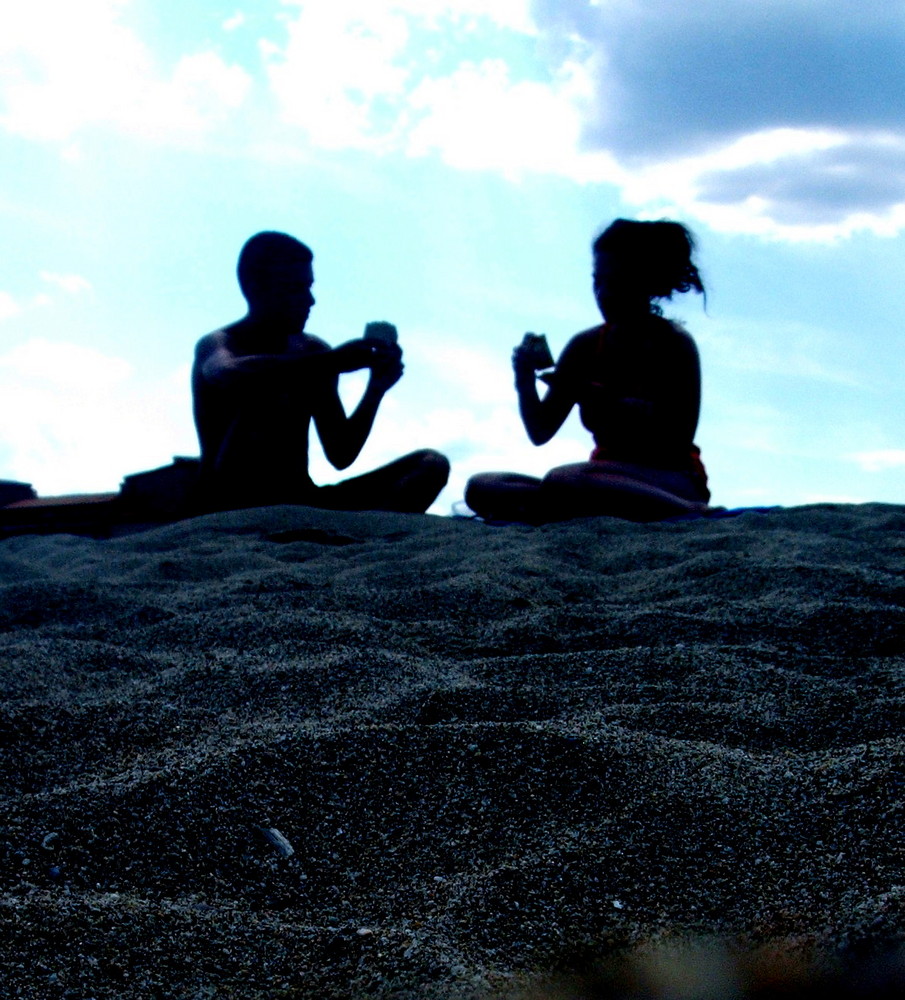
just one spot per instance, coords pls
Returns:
(264, 335)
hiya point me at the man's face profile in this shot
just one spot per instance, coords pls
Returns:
(284, 293)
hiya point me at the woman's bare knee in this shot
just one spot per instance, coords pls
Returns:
(567, 475)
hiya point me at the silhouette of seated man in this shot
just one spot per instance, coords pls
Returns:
(259, 382)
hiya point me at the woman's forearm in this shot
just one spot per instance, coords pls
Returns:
(531, 409)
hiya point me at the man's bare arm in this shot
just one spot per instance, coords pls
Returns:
(343, 435)
(218, 364)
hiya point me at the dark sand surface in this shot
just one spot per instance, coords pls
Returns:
(494, 751)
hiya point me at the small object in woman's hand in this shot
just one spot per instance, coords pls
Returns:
(537, 349)
(385, 332)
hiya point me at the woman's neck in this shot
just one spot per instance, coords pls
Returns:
(621, 311)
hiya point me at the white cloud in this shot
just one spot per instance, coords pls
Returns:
(74, 284)
(76, 420)
(476, 375)
(480, 118)
(793, 184)
(764, 119)
(403, 76)
(62, 365)
(9, 307)
(203, 88)
(337, 77)
(608, 95)
(880, 460)
(375, 16)
(66, 66)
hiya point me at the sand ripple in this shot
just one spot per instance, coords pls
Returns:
(491, 749)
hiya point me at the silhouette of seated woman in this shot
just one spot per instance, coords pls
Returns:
(636, 381)
(258, 383)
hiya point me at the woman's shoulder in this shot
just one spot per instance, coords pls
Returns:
(592, 332)
(672, 332)
(573, 363)
(585, 340)
(675, 325)
(580, 351)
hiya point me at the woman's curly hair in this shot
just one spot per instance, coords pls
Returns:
(654, 257)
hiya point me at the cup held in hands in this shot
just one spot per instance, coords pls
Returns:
(538, 350)
(382, 331)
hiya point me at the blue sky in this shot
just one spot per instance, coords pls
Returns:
(450, 163)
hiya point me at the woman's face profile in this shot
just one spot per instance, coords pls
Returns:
(602, 277)
(616, 288)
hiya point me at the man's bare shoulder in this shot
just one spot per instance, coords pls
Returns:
(211, 342)
(307, 343)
